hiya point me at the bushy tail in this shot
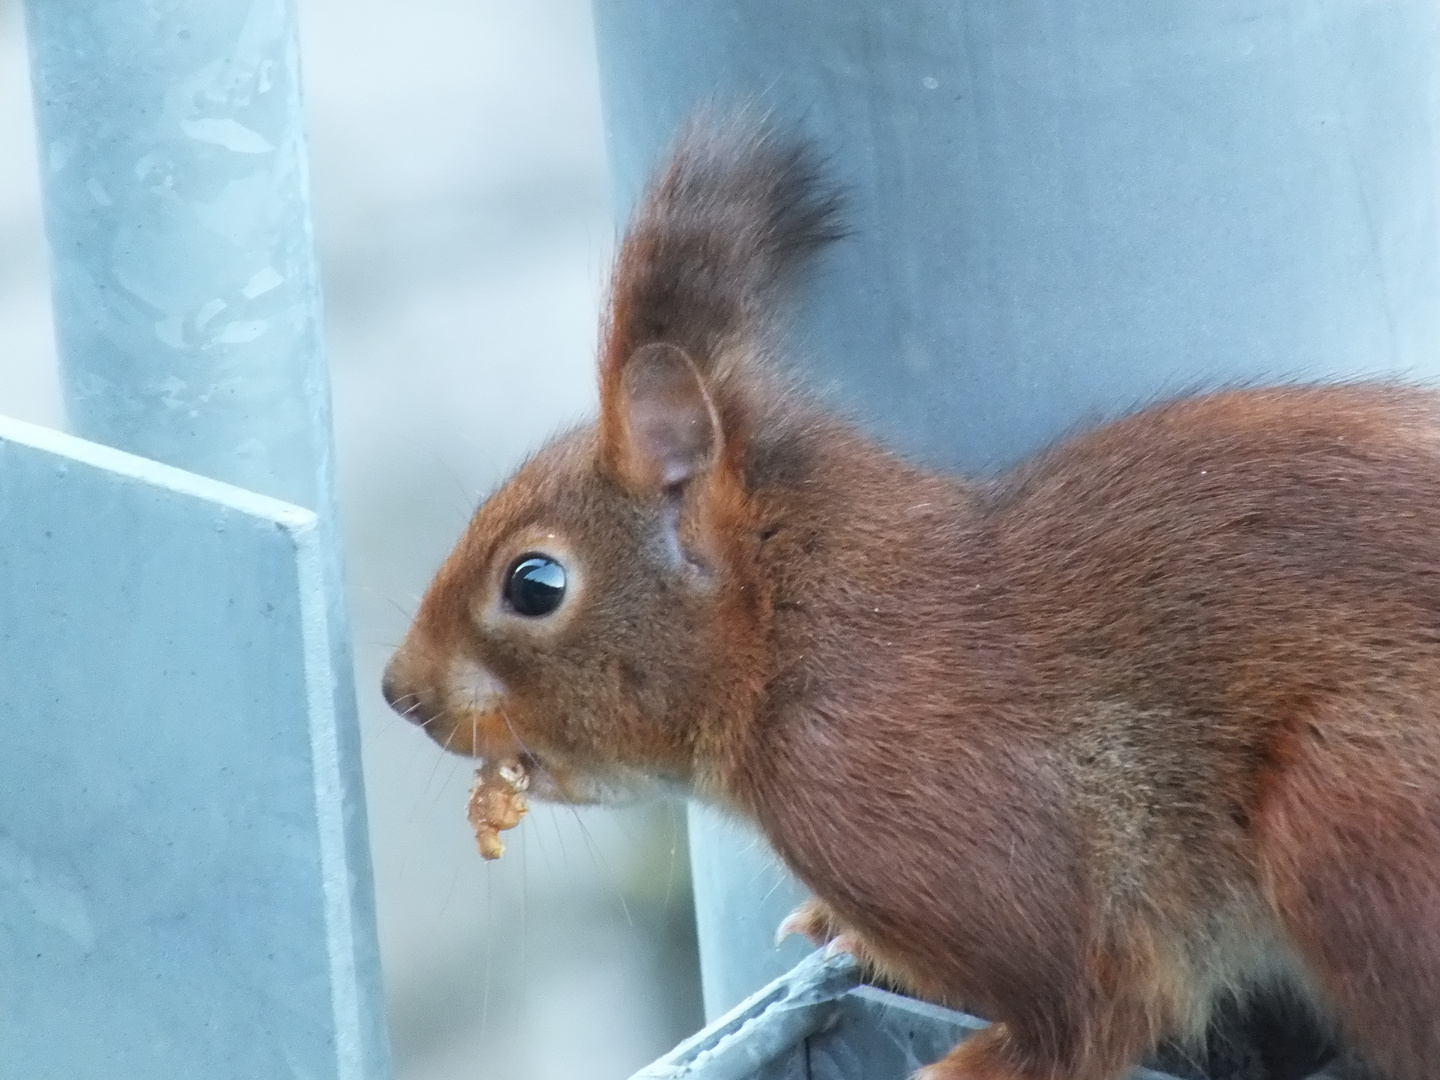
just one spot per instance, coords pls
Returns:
(716, 241)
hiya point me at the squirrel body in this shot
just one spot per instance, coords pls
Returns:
(1150, 720)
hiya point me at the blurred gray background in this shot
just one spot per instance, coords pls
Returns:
(465, 230)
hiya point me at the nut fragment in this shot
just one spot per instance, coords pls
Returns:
(497, 802)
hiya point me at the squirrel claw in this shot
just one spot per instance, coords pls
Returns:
(811, 920)
(816, 922)
(794, 923)
(845, 944)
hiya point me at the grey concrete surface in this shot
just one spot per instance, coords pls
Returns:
(464, 225)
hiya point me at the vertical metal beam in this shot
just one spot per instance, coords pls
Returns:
(742, 892)
(1063, 208)
(187, 298)
(187, 312)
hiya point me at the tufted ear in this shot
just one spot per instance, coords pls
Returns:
(659, 424)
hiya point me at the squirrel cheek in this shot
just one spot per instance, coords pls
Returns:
(475, 701)
(471, 688)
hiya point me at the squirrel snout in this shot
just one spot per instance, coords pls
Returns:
(458, 705)
(410, 703)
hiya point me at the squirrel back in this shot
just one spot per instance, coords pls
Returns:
(1149, 722)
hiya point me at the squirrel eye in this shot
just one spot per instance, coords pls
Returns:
(535, 585)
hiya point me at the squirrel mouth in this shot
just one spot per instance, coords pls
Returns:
(547, 783)
(535, 769)
(552, 782)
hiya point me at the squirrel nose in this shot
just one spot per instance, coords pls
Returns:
(410, 704)
(390, 688)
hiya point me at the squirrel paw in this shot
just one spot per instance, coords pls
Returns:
(812, 920)
(815, 921)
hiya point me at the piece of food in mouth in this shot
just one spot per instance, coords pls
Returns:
(497, 803)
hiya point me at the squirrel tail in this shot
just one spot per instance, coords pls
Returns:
(709, 257)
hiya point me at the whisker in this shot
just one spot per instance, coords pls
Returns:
(605, 868)
(589, 840)
(515, 734)
(560, 839)
(388, 719)
(773, 889)
(445, 784)
(532, 836)
(434, 769)
(466, 495)
(450, 892)
(392, 719)
(525, 750)
(407, 615)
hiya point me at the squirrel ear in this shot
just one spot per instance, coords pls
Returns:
(661, 425)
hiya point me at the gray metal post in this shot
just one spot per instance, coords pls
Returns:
(187, 309)
(186, 291)
(1063, 209)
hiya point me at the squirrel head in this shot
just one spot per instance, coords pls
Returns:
(605, 616)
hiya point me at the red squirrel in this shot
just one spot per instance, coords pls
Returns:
(1151, 720)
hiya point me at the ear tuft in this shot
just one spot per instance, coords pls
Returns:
(668, 429)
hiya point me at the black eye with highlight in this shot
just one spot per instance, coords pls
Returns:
(535, 585)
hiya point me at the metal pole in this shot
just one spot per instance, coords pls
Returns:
(187, 302)
(187, 312)
(1062, 210)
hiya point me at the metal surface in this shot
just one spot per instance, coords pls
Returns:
(764, 1029)
(187, 305)
(174, 881)
(742, 896)
(187, 315)
(1062, 209)
(817, 1022)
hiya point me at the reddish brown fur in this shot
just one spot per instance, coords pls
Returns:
(1149, 720)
